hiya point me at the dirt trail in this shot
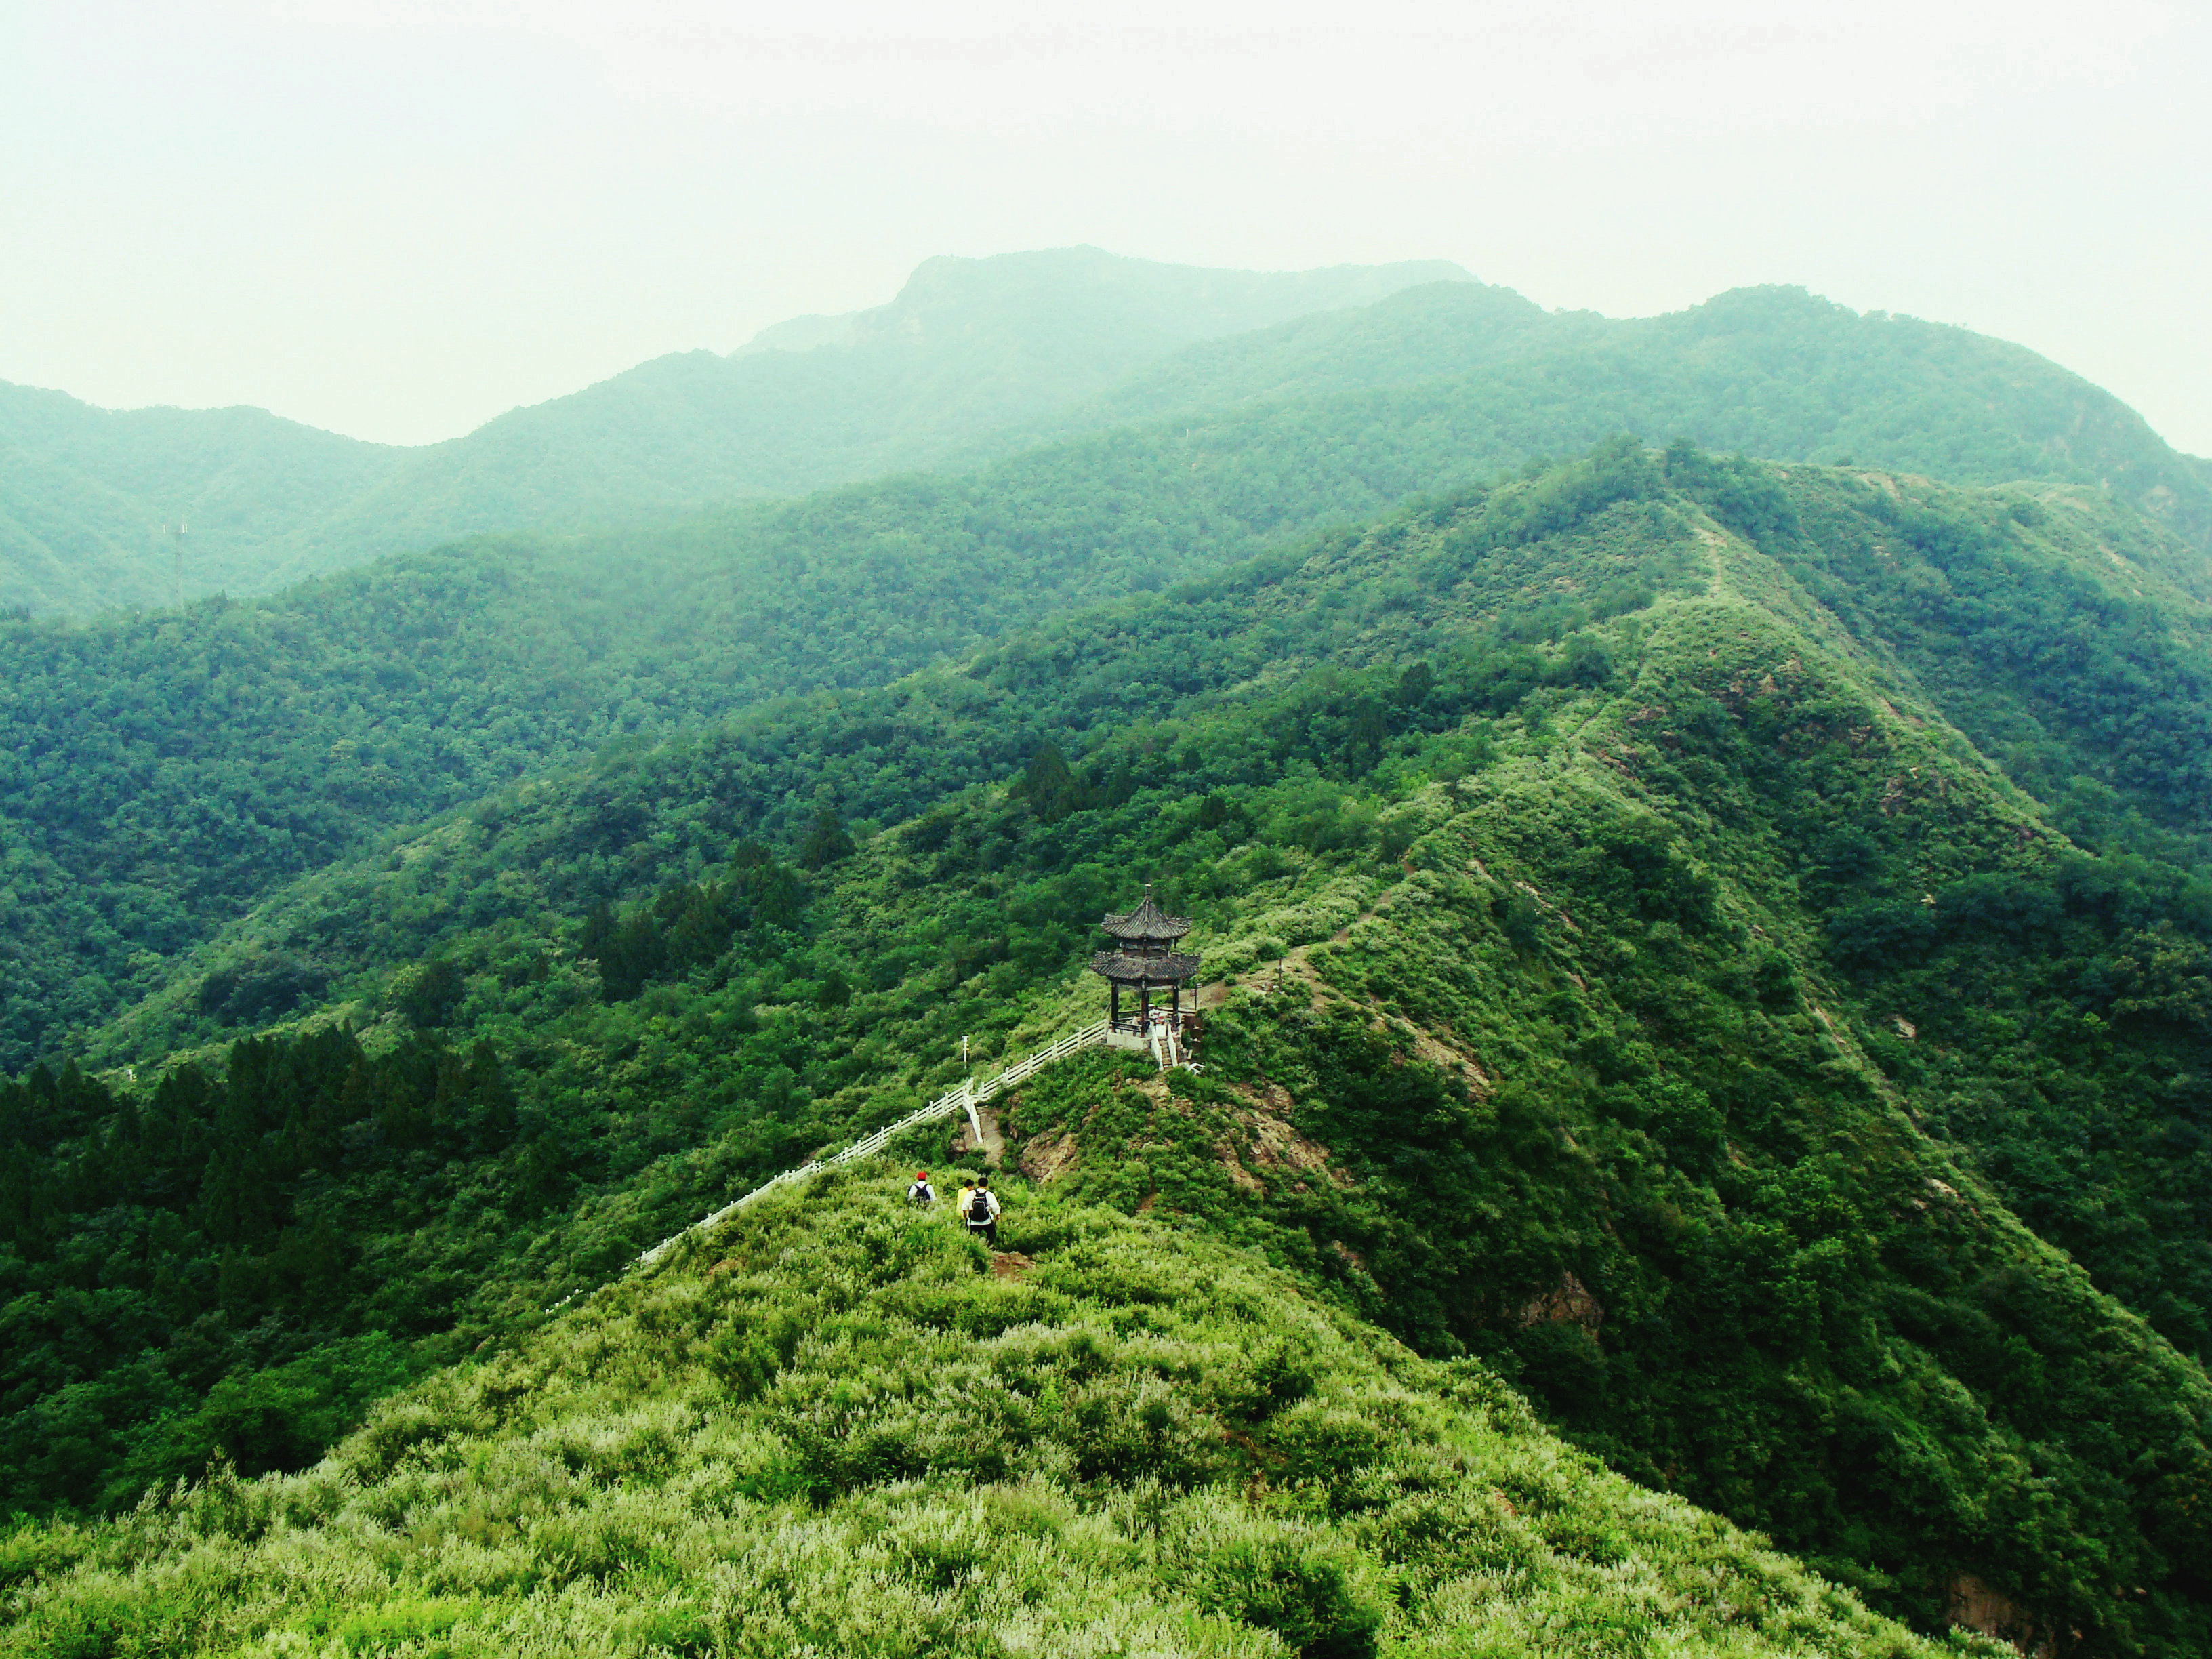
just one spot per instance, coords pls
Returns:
(1297, 969)
(994, 1140)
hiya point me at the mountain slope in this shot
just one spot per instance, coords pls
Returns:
(1434, 330)
(834, 1427)
(162, 771)
(1772, 372)
(1590, 844)
(91, 499)
(969, 344)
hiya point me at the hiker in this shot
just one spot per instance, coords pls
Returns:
(921, 1195)
(981, 1211)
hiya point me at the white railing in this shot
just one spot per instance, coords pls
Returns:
(965, 1098)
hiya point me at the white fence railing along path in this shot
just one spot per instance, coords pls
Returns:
(966, 1098)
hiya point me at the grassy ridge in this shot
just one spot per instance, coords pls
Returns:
(831, 1425)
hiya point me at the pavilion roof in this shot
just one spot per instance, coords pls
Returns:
(1146, 922)
(1144, 970)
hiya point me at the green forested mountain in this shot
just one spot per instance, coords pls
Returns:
(1771, 370)
(979, 360)
(159, 772)
(92, 499)
(1697, 940)
(968, 345)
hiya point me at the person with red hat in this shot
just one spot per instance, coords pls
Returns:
(921, 1195)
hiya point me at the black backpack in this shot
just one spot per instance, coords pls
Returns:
(979, 1209)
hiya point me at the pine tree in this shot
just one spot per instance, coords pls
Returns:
(1052, 786)
(827, 842)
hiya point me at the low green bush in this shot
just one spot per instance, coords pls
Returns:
(1145, 1441)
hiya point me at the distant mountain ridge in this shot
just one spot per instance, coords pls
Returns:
(91, 499)
(1142, 301)
(87, 494)
(977, 360)
(1773, 371)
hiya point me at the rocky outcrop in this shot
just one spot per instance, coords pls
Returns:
(1970, 1603)
(1568, 1304)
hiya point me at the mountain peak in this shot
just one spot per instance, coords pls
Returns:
(1089, 289)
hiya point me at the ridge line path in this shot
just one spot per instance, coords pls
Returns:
(966, 1098)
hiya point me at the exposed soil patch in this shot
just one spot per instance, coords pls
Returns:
(1241, 1178)
(1273, 1146)
(1970, 1603)
(1276, 1146)
(1571, 1304)
(993, 1146)
(1009, 1264)
(1445, 1057)
(1047, 1158)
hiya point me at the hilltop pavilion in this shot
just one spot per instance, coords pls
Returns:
(1143, 960)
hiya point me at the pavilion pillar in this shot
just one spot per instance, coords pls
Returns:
(1114, 997)
(1144, 1007)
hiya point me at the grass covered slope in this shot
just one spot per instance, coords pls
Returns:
(838, 1425)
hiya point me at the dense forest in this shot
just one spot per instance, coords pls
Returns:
(1723, 928)
(160, 773)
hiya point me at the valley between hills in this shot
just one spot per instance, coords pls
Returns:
(1695, 831)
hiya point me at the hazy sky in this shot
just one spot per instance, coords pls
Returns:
(396, 220)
